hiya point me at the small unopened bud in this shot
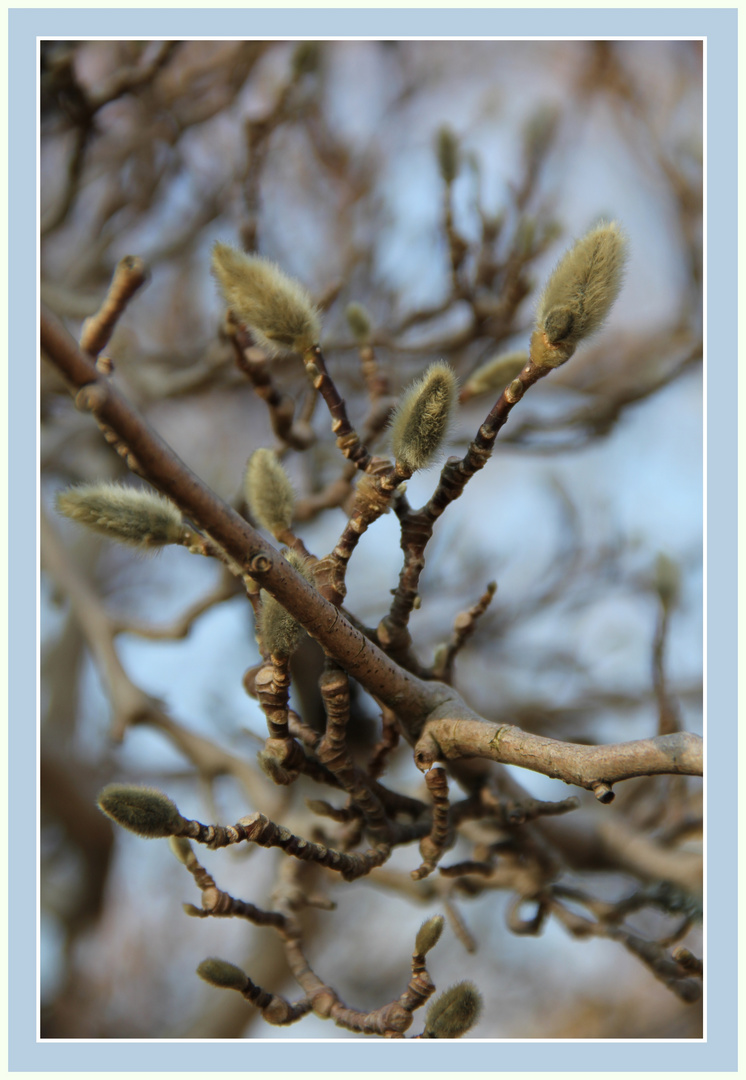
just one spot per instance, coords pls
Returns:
(525, 235)
(428, 935)
(278, 310)
(539, 131)
(494, 376)
(142, 810)
(579, 294)
(127, 514)
(421, 420)
(281, 634)
(448, 153)
(358, 321)
(181, 848)
(667, 580)
(268, 491)
(306, 58)
(221, 973)
(452, 1013)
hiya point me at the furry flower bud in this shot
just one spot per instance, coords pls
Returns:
(452, 1013)
(494, 376)
(358, 321)
(127, 514)
(667, 580)
(268, 491)
(579, 294)
(278, 310)
(428, 935)
(181, 848)
(421, 420)
(448, 153)
(142, 810)
(281, 634)
(221, 973)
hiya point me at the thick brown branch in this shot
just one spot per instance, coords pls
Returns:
(593, 767)
(165, 470)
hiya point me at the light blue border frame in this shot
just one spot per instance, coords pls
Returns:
(720, 1051)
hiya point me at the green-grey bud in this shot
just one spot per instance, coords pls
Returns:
(494, 376)
(221, 973)
(422, 417)
(268, 491)
(358, 321)
(448, 154)
(579, 294)
(130, 515)
(281, 634)
(142, 810)
(278, 310)
(452, 1013)
(181, 848)
(428, 935)
(667, 580)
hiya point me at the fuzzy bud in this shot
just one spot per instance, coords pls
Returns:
(667, 580)
(127, 514)
(421, 420)
(221, 973)
(428, 935)
(142, 810)
(268, 491)
(452, 1013)
(539, 131)
(281, 634)
(181, 848)
(494, 376)
(448, 153)
(358, 321)
(579, 294)
(306, 58)
(278, 311)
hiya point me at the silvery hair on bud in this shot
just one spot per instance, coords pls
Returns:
(268, 491)
(579, 294)
(278, 310)
(452, 1013)
(142, 810)
(281, 634)
(422, 417)
(127, 514)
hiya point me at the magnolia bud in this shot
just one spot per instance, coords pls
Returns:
(221, 973)
(579, 294)
(421, 420)
(428, 935)
(452, 1013)
(494, 376)
(268, 491)
(127, 514)
(278, 311)
(281, 634)
(358, 321)
(142, 810)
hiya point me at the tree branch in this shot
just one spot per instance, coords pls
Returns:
(596, 768)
